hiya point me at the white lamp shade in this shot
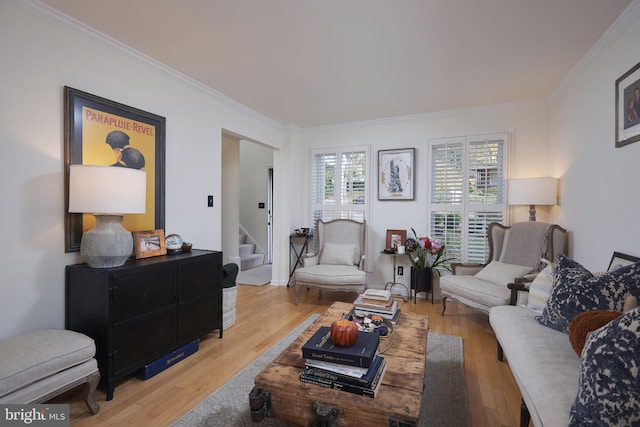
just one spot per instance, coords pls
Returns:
(107, 190)
(533, 191)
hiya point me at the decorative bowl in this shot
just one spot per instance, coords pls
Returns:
(186, 247)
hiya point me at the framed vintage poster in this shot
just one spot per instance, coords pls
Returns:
(628, 107)
(395, 238)
(149, 243)
(102, 132)
(395, 174)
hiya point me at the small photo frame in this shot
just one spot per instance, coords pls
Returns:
(395, 174)
(628, 107)
(620, 260)
(149, 243)
(395, 238)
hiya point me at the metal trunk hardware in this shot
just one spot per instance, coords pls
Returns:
(260, 403)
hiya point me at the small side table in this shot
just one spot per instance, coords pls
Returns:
(298, 255)
(390, 285)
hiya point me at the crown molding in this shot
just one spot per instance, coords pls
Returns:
(72, 25)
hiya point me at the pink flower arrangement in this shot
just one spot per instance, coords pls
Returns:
(427, 253)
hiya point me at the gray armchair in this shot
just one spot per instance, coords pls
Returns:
(338, 264)
(514, 252)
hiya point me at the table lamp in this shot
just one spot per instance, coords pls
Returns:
(532, 192)
(107, 192)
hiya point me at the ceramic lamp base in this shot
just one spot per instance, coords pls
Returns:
(108, 244)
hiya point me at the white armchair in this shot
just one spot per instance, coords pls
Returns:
(338, 264)
(514, 252)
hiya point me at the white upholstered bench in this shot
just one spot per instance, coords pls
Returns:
(37, 366)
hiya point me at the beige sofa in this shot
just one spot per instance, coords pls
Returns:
(560, 388)
(543, 363)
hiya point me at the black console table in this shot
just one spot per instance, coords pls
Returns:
(145, 309)
(293, 250)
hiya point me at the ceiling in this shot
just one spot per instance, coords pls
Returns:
(313, 63)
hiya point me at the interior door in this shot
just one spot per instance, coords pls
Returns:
(270, 216)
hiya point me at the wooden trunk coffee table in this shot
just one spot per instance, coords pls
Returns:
(279, 393)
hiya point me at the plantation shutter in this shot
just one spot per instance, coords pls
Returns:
(339, 184)
(323, 183)
(447, 194)
(467, 192)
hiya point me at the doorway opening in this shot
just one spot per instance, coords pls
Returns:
(247, 190)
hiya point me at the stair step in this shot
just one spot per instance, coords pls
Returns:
(242, 239)
(250, 261)
(246, 249)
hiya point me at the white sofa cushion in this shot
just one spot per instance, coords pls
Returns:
(542, 361)
(501, 273)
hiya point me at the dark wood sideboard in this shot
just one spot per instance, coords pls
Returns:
(144, 309)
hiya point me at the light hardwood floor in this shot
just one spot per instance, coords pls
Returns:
(265, 315)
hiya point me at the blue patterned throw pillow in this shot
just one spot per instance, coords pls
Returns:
(576, 290)
(609, 384)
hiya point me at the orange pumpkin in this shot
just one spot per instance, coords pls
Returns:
(344, 333)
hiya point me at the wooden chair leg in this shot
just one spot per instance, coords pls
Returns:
(297, 293)
(444, 305)
(525, 416)
(90, 388)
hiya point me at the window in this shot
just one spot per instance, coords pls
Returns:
(339, 181)
(467, 192)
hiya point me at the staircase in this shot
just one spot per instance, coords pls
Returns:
(248, 257)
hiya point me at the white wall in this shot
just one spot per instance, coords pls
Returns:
(529, 154)
(42, 55)
(598, 191)
(255, 161)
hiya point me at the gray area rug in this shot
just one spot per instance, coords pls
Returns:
(445, 402)
(257, 276)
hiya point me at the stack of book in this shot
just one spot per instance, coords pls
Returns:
(356, 369)
(377, 302)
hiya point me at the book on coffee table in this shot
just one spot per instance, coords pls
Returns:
(370, 390)
(377, 295)
(320, 347)
(382, 307)
(334, 372)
